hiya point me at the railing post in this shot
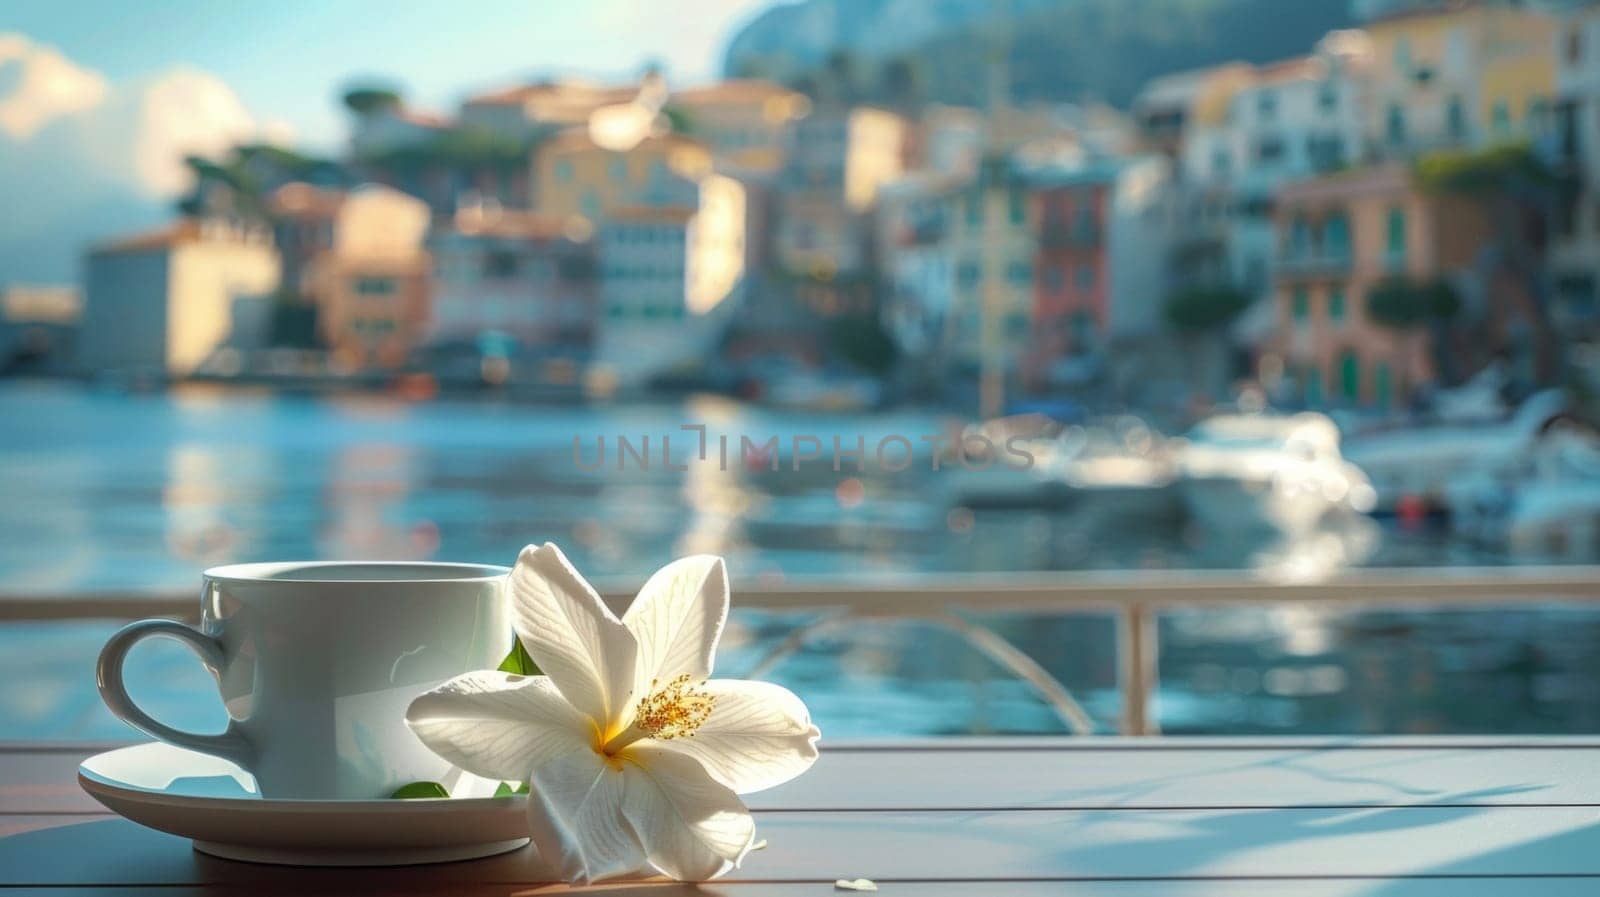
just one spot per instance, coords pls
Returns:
(1138, 667)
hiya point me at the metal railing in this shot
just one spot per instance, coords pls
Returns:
(1135, 599)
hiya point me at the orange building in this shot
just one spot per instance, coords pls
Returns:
(1338, 237)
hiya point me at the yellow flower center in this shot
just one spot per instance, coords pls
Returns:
(674, 711)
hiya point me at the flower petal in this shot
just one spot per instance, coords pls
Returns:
(571, 634)
(498, 725)
(758, 735)
(576, 818)
(692, 828)
(677, 620)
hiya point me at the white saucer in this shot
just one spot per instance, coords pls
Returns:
(213, 801)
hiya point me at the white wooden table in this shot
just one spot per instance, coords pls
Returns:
(1396, 817)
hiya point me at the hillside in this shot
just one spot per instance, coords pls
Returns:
(1059, 50)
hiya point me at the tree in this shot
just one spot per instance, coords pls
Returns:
(1519, 196)
(365, 99)
(1413, 308)
(1203, 309)
(1401, 304)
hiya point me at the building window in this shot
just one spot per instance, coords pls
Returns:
(1266, 104)
(1336, 304)
(1016, 205)
(1054, 278)
(1336, 237)
(1301, 302)
(1269, 149)
(1395, 242)
(1327, 96)
(1501, 117)
(1456, 119)
(1395, 127)
(975, 207)
(1299, 238)
(500, 263)
(968, 273)
(1382, 384)
(1574, 45)
(564, 171)
(375, 286)
(1084, 277)
(1020, 273)
(1017, 325)
(1350, 376)
(1313, 386)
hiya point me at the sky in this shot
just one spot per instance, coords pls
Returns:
(286, 59)
(100, 100)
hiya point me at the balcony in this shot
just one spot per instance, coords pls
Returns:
(1314, 263)
(1077, 235)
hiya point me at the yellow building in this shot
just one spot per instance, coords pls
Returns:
(1461, 74)
(576, 178)
(162, 302)
(742, 121)
(991, 248)
(372, 287)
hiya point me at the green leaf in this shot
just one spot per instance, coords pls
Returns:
(505, 789)
(417, 790)
(518, 661)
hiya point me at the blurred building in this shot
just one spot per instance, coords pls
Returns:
(303, 218)
(670, 278)
(38, 328)
(836, 160)
(1575, 150)
(991, 246)
(743, 122)
(530, 110)
(913, 223)
(1101, 226)
(371, 287)
(1168, 106)
(160, 303)
(1465, 74)
(515, 274)
(1342, 235)
(1251, 132)
(575, 177)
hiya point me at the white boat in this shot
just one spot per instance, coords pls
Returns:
(1549, 511)
(1266, 472)
(1122, 470)
(1425, 462)
(1007, 462)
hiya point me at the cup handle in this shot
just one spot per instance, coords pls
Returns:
(230, 744)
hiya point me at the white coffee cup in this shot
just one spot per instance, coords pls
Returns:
(317, 663)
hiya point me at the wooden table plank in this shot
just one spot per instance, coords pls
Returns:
(1105, 777)
(950, 846)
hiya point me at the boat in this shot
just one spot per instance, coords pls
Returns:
(1548, 509)
(1120, 470)
(1005, 462)
(1423, 463)
(1269, 473)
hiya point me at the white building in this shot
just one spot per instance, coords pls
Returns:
(669, 278)
(912, 224)
(162, 302)
(521, 274)
(1282, 122)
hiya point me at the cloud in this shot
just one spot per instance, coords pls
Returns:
(38, 84)
(87, 159)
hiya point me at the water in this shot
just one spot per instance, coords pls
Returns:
(105, 492)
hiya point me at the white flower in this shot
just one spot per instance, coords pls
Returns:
(634, 756)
